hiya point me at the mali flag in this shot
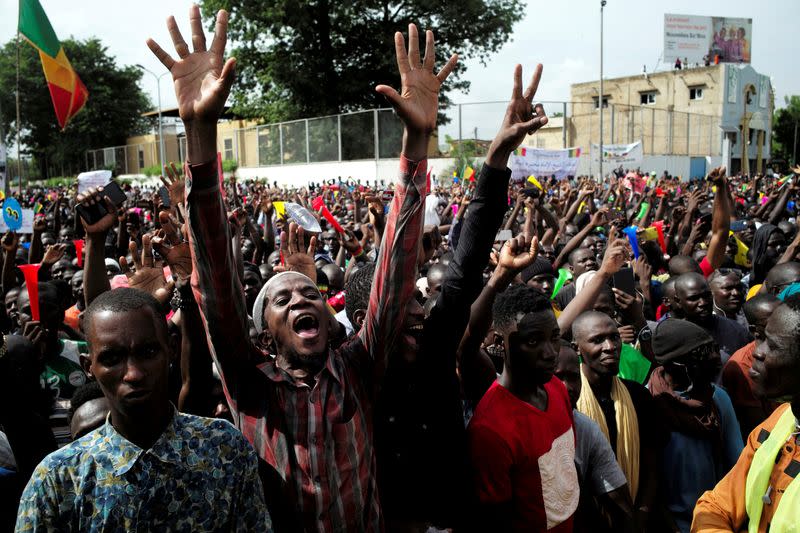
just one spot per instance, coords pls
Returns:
(67, 91)
(468, 174)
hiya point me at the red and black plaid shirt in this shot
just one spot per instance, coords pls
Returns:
(317, 438)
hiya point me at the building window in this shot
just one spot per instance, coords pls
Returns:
(596, 100)
(695, 93)
(141, 159)
(228, 149)
(648, 98)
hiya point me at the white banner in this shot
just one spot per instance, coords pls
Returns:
(619, 154)
(27, 222)
(544, 163)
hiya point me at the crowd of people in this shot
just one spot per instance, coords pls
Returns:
(552, 355)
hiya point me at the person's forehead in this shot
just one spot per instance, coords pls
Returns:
(726, 280)
(598, 324)
(782, 322)
(288, 283)
(135, 326)
(543, 321)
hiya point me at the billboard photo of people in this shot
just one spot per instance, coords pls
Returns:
(731, 40)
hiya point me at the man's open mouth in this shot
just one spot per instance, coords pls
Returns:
(306, 326)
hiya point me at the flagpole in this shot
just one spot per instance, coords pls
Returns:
(19, 127)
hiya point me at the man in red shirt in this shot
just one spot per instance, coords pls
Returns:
(521, 439)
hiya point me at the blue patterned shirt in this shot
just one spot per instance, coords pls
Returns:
(200, 475)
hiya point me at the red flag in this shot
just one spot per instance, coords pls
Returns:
(31, 273)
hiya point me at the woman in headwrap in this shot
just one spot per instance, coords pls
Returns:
(769, 243)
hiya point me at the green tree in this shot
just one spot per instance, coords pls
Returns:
(321, 57)
(112, 113)
(783, 130)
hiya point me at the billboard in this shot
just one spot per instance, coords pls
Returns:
(701, 39)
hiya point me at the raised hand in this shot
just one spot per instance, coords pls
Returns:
(202, 78)
(617, 254)
(175, 184)
(522, 118)
(169, 245)
(516, 255)
(147, 278)
(349, 242)
(39, 224)
(10, 242)
(53, 254)
(295, 257)
(717, 176)
(417, 103)
(101, 227)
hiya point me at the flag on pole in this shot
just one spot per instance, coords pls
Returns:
(468, 174)
(67, 91)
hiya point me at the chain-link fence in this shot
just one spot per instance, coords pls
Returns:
(377, 134)
(127, 159)
(662, 132)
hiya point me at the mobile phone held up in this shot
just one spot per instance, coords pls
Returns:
(624, 281)
(93, 213)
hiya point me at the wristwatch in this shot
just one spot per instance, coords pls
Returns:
(645, 334)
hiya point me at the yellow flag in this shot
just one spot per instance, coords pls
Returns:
(741, 252)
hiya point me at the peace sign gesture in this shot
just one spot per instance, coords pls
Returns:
(202, 78)
(522, 117)
(417, 103)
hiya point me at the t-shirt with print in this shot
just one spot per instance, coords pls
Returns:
(526, 456)
(61, 376)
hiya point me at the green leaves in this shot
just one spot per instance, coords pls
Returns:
(311, 58)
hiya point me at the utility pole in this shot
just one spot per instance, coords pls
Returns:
(160, 130)
(600, 99)
(794, 145)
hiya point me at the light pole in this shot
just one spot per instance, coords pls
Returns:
(160, 131)
(600, 100)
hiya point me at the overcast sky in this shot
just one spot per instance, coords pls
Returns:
(564, 36)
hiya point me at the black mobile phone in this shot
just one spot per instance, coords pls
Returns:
(532, 192)
(92, 214)
(163, 192)
(624, 281)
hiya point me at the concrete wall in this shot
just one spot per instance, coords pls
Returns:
(366, 171)
(676, 165)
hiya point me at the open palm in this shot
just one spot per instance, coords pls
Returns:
(417, 103)
(202, 78)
